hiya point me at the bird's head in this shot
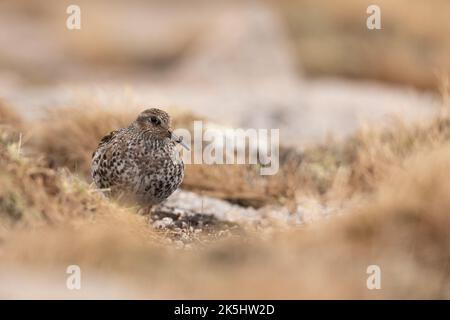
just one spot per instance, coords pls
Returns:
(158, 123)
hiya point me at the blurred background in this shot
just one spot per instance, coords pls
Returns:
(350, 192)
(309, 67)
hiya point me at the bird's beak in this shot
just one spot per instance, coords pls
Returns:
(179, 140)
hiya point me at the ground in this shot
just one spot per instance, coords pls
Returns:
(363, 176)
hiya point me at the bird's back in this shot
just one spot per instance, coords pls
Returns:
(107, 163)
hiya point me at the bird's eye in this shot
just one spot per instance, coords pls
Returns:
(155, 120)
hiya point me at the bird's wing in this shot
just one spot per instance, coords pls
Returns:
(109, 137)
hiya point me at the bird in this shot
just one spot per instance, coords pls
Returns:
(140, 163)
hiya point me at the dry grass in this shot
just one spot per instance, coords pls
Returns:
(403, 229)
(38, 201)
(333, 171)
(328, 38)
(67, 137)
(32, 194)
(8, 117)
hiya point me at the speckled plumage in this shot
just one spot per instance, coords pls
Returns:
(141, 161)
